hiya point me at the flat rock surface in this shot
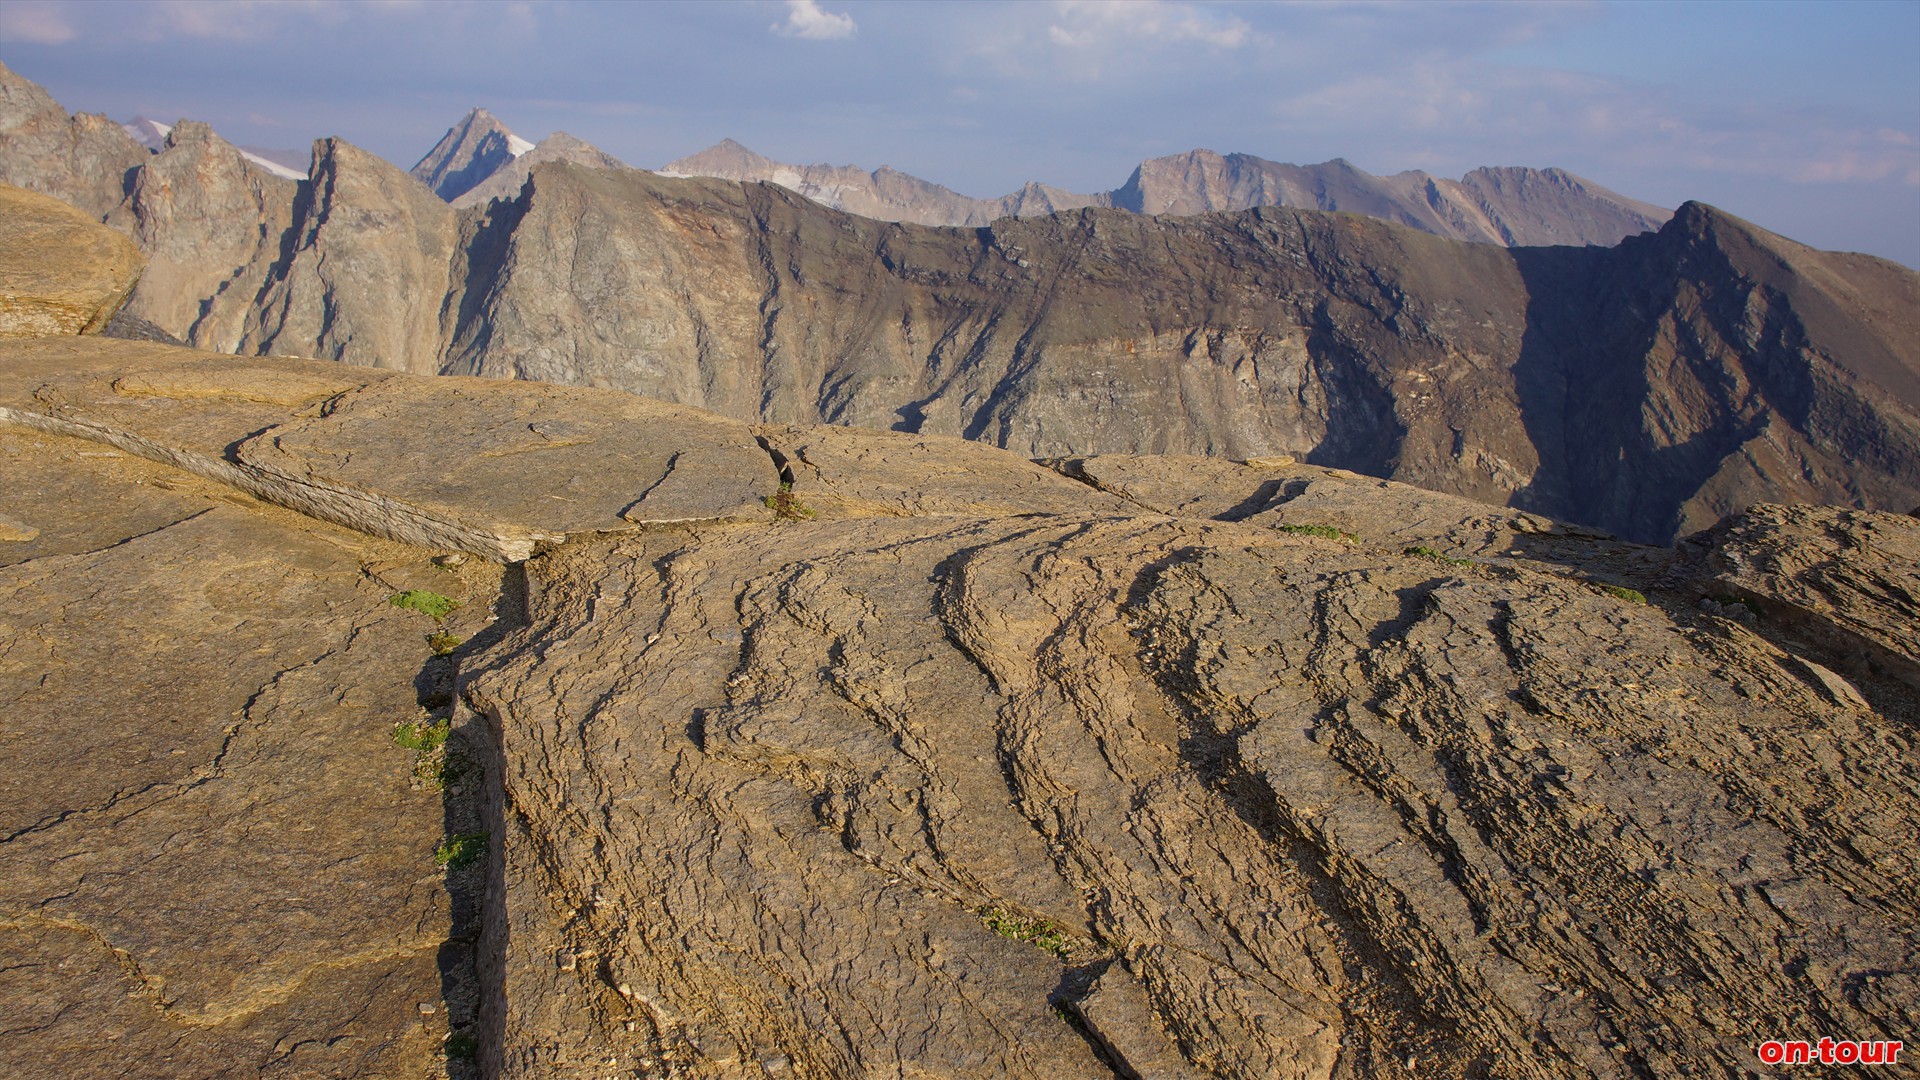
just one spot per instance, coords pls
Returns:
(217, 861)
(853, 472)
(490, 466)
(61, 272)
(530, 456)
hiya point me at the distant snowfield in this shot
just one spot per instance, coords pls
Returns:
(152, 134)
(517, 145)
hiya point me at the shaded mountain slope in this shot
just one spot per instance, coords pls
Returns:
(1348, 342)
(473, 149)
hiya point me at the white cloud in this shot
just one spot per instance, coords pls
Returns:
(806, 19)
(1486, 114)
(1080, 24)
(38, 24)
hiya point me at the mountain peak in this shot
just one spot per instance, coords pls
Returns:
(727, 160)
(473, 149)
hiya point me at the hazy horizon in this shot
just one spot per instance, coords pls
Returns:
(1804, 118)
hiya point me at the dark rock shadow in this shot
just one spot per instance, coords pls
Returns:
(472, 823)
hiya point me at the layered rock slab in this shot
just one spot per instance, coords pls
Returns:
(1252, 768)
(60, 272)
(496, 468)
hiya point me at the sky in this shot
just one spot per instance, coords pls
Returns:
(1801, 117)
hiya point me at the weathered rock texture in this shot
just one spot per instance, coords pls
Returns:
(1511, 206)
(60, 272)
(925, 762)
(1297, 805)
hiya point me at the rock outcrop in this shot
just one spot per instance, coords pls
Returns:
(157, 137)
(808, 751)
(60, 273)
(364, 271)
(211, 225)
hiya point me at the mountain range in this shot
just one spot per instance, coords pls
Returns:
(1646, 388)
(479, 158)
(1510, 206)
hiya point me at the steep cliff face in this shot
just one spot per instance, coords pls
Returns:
(364, 272)
(1719, 359)
(212, 225)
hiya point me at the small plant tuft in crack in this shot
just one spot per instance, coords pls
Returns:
(1324, 532)
(427, 738)
(462, 1046)
(1432, 553)
(443, 642)
(431, 604)
(461, 850)
(1631, 596)
(786, 506)
(1042, 934)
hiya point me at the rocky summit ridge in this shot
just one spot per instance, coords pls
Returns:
(364, 724)
(1516, 207)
